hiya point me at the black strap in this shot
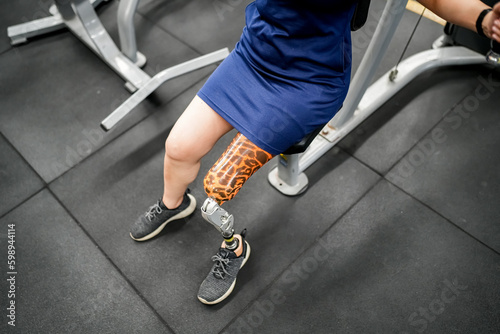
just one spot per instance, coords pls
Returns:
(479, 22)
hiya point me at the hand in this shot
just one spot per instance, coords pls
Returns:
(491, 23)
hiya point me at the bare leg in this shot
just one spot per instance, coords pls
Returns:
(193, 135)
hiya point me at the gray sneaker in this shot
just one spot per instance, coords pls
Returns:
(220, 281)
(158, 216)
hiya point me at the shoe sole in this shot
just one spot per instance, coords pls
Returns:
(183, 214)
(232, 285)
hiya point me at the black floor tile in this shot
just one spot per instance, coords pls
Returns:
(452, 169)
(110, 189)
(389, 266)
(64, 284)
(51, 113)
(387, 135)
(205, 25)
(18, 181)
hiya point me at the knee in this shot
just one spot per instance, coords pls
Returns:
(177, 149)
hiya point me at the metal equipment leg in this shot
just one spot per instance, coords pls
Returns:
(287, 177)
(80, 18)
(157, 81)
(20, 33)
(126, 31)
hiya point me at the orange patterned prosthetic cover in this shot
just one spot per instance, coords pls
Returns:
(241, 160)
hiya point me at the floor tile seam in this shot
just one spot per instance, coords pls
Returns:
(44, 184)
(23, 158)
(46, 187)
(125, 131)
(427, 206)
(306, 249)
(110, 261)
(445, 114)
(23, 202)
(10, 48)
(384, 173)
(372, 169)
(174, 36)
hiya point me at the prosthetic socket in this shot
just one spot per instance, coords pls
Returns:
(241, 160)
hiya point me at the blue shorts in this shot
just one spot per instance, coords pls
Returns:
(282, 81)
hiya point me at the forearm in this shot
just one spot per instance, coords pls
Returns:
(460, 12)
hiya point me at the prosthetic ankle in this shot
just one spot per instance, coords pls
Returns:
(222, 220)
(241, 160)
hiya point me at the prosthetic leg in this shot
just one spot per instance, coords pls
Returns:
(241, 160)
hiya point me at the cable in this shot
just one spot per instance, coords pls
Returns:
(394, 73)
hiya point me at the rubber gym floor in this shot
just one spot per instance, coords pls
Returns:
(398, 231)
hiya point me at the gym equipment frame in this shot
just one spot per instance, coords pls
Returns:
(81, 19)
(361, 101)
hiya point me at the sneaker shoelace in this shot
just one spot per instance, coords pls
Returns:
(221, 263)
(153, 211)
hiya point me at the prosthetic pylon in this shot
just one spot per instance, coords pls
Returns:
(222, 220)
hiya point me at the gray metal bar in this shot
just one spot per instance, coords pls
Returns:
(126, 30)
(393, 12)
(53, 9)
(80, 17)
(158, 80)
(288, 168)
(20, 33)
(86, 25)
(383, 89)
(287, 178)
(65, 9)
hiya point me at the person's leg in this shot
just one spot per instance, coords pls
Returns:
(193, 135)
